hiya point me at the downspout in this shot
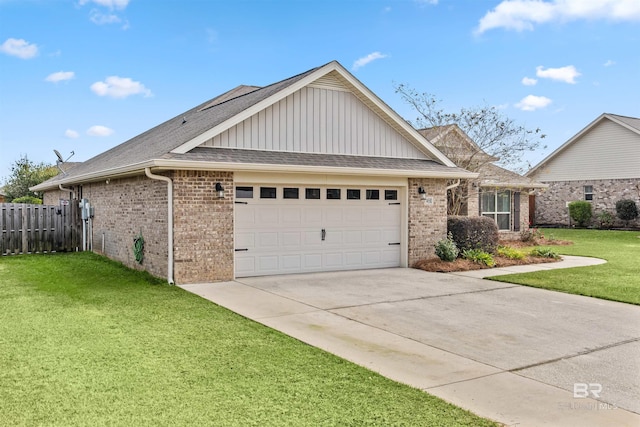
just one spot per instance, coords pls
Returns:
(147, 172)
(73, 193)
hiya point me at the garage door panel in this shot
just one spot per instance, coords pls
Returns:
(291, 239)
(245, 240)
(291, 262)
(285, 236)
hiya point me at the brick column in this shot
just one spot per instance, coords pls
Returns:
(427, 223)
(203, 227)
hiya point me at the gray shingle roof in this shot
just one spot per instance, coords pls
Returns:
(495, 176)
(634, 122)
(230, 155)
(165, 137)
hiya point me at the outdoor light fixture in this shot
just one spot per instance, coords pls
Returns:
(220, 190)
(422, 193)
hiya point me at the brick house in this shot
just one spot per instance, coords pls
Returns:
(496, 192)
(312, 173)
(600, 164)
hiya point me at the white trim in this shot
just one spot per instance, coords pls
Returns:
(162, 164)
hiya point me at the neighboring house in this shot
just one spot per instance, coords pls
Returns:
(2, 197)
(600, 164)
(312, 173)
(496, 193)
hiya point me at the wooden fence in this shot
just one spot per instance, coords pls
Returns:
(39, 228)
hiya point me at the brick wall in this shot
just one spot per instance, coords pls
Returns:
(203, 227)
(124, 208)
(551, 204)
(427, 223)
(53, 197)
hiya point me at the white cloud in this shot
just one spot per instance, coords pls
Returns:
(100, 18)
(20, 48)
(566, 74)
(111, 4)
(60, 76)
(433, 2)
(533, 102)
(523, 15)
(99, 131)
(70, 133)
(609, 63)
(361, 62)
(528, 81)
(119, 87)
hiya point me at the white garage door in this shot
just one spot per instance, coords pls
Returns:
(295, 229)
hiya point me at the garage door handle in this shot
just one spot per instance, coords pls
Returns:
(324, 234)
(241, 250)
(395, 203)
(241, 203)
(393, 244)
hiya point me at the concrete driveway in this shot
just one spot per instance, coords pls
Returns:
(518, 355)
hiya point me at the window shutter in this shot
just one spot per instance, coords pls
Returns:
(516, 211)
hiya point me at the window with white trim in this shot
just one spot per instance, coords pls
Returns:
(497, 205)
(588, 192)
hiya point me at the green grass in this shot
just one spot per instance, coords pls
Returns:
(85, 341)
(618, 279)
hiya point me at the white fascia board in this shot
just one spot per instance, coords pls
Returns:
(254, 109)
(129, 170)
(221, 166)
(513, 185)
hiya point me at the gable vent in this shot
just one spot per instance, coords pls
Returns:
(329, 81)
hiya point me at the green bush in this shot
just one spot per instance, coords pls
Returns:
(605, 219)
(544, 253)
(479, 256)
(30, 200)
(626, 210)
(580, 212)
(446, 249)
(474, 233)
(510, 253)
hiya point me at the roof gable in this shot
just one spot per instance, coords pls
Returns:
(630, 126)
(333, 76)
(455, 143)
(190, 129)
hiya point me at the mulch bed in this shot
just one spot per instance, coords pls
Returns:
(436, 265)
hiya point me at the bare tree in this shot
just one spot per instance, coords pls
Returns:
(493, 137)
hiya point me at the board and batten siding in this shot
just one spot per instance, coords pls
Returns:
(607, 151)
(318, 120)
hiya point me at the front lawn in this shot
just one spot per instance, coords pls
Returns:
(85, 341)
(618, 279)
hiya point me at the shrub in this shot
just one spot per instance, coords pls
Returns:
(510, 253)
(474, 233)
(531, 235)
(580, 212)
(479, 256)
(626, 209)
(544, 253)
(446, 249)
(30, 200)
(606, 219)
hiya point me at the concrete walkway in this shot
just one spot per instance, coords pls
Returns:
(506, 352)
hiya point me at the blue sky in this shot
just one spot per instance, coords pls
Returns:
(86, 75)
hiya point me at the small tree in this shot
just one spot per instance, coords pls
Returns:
(626, 210)
(25, 174)
(497, 137)
(580, 212)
